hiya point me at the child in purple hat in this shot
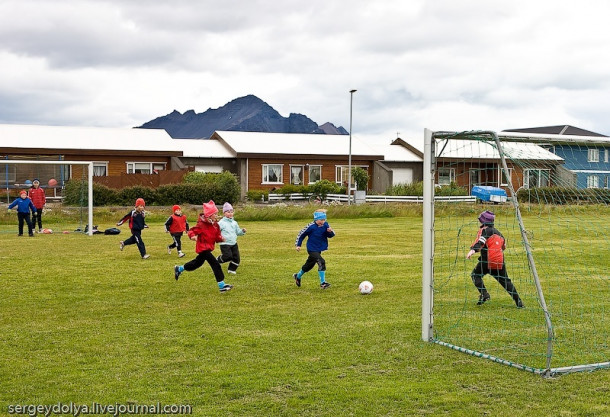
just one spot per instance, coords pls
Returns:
(490, 243)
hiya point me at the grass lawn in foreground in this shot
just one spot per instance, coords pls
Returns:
(82, 322)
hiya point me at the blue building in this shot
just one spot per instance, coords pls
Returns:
(586, 154)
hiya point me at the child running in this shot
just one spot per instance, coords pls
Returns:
(490, 243)
(176, 225)
(229, 230)
(137, 222)
(318, 231)
(206, 233)
(24, 205)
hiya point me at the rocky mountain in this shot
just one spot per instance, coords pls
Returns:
(246, 114)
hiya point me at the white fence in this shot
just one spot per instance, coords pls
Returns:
(342, 198)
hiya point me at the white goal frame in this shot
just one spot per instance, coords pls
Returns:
(427, 318)
(89, 181)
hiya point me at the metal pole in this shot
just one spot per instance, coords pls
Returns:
(349, 167)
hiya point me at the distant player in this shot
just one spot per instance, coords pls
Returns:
(24, 205)
(176, 225)
(137, 223)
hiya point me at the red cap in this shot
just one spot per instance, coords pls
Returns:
(140, 202)
(176, 207)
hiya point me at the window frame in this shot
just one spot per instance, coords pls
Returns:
(526, 177)
(501, 183)
(302, 175)
(593, 181)
(265, 174)
(451, 175)
(309, 173)
(99, 164)
(151, 166)
(592, 155)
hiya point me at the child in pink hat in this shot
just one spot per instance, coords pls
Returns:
(206, 233)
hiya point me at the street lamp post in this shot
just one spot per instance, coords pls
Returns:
(349, 161)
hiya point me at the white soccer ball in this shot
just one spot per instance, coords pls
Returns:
(365, 287)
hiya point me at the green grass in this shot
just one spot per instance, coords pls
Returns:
(82, 322)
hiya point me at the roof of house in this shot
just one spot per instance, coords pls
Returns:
(557, 130)
(397, 152)
(473, 149)
(85, 138)
(252, 144)
(203, 148)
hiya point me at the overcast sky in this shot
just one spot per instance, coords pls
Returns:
(440, 64)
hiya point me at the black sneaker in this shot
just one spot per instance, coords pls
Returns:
(520, 304)
(297, 280)
(226, 288)
(483, 298)
(324, 285)
(177, 272)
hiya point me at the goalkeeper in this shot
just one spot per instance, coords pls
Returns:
(490, 243)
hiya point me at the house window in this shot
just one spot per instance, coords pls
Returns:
(272, 174)
(446, 176)
(8, 173)
(342, 174)
(534, 178)
(503, 180)
(607, 182)
(100, 169)
(296, 174)
(593, 155)
(607, 156)
(315, 173)
(592, 181)
(144, 167)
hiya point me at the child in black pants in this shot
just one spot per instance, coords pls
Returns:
(136, 224)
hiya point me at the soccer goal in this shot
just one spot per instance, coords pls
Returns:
(551, 200)
(18, 174)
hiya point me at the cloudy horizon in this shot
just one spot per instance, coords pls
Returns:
(442, 65)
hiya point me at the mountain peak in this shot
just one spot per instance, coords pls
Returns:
(247, 114)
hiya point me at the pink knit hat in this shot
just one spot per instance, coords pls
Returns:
(209, 208)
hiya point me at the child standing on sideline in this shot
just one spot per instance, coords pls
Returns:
(490, 243)
(39, 199)
(318, 231)
(24, 205)
(230, 230)
(136, 224)
(206, 233)
(176, 225)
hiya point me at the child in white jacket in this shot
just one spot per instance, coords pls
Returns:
(230, 230)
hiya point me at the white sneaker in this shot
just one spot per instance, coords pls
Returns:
(146, 256)
(180, 254)
(232, 272)
(169, 250)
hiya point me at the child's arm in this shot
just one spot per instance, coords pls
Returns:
(239, 231)
(124, 219)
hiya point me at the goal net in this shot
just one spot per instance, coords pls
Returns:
(549, 197)
(19, 174)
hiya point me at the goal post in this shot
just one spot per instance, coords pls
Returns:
(88, 164)
(553, 217)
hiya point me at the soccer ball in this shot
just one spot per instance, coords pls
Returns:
(52, 182)
(365, 287)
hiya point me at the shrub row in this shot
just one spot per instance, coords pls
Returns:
(417, 189)
(196, 189)
(561, 195)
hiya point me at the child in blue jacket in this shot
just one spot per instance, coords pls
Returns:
(317, 233)
(229, 230)
(24, 205)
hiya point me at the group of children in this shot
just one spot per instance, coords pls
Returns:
(32, 200)
(209, 230)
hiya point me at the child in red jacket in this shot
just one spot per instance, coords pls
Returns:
(39, 199)
(206, 233)
(176, 225)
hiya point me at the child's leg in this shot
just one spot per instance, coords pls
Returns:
(174, 244)
(178, 242)
(502, 277)
(477, 278)
(21, 219)
(37, 218)
(225, 254)
(311, 261)
(235, 258)
(321, 269)
(195, 263)
(217, 269)
(30, 226)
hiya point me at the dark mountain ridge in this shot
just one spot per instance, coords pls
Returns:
(245, 114)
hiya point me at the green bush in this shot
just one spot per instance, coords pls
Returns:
(76, 194)
(361, 177)
(223, 187)
(451, 189)
(563, 195)
(325, 187)
(128, 195)
(414, 189)
(257, 195)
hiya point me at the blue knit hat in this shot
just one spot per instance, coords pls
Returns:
(319, 215)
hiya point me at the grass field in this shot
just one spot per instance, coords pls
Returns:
(82, 322)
